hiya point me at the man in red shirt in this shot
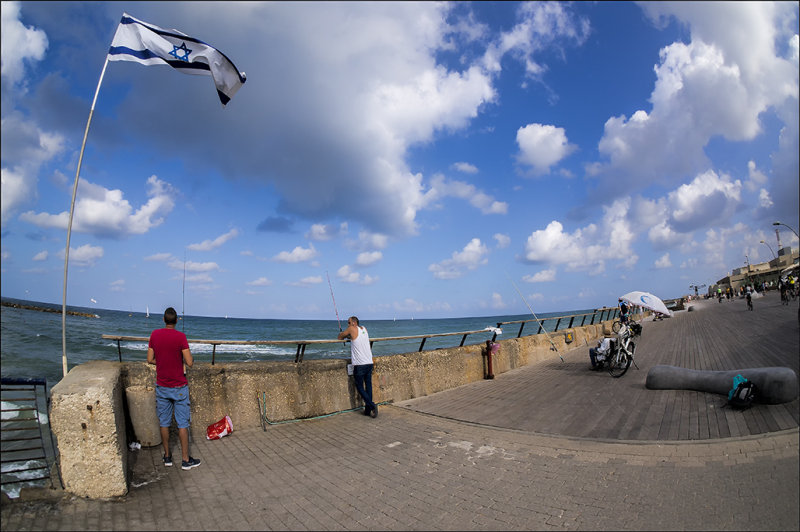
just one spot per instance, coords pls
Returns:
(168, 349)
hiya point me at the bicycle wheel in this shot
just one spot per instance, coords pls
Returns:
(616, 326)
(619, 363)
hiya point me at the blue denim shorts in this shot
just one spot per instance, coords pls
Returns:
(173, 400)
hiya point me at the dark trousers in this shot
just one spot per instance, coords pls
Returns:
(362, 374)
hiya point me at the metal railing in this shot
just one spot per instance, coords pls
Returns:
(301, 344)
(598, 315)
(24, 451)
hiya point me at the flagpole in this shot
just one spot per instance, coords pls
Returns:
(69, 225)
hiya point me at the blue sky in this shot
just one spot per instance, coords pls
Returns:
(422, 156)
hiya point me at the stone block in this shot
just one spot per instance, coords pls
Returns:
(144, 418)
(88, 420)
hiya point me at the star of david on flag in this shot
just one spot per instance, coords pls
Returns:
(147, 44)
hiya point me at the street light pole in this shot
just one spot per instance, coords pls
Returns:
(783, 224)
(770, 248)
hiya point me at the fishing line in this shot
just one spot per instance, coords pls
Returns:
(537, 318)
(334, 301)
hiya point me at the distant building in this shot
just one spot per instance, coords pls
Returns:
(755, 274)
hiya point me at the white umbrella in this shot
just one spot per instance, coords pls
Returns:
(646, 300)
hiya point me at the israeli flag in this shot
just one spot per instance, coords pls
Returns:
(150, 45)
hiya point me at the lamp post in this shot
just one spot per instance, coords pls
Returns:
(783, 224)
(770, 248)
(695, 287)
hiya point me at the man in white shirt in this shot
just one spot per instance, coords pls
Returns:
(361, 358)
(598, 354)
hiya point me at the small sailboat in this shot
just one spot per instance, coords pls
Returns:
(147, 312)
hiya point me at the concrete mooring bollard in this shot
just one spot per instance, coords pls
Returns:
(142, 410)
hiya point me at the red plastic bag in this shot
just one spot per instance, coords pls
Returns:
(221, 428)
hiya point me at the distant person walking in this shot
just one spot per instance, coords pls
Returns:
(361, 358)
(168, 349)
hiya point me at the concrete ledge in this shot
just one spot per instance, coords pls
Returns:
(88, 420)
(318, 387)
(89, 415)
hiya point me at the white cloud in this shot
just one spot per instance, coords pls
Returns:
(306, 281)
(159, 257)
(357, 105)
(261, 281)
(368, 241)
(106, 213)
(756, 177)
(663, 262)
(368, 258)
(323, 232)
(544, 276)
(503, 241)
(716, 85)
(588, 248)
(208, 245)
(25, 149)
(347, 275)
(191, 266)
(763, 199)
(19, 43)
(42, 255)
(466, 168)
(117, 286)
(497, 301)
(473, 255)
(540, 24)
(441, 187)
(199, 278)
(542, 146)
(298, 254)
(85, 255)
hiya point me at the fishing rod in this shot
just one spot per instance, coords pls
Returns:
(334, 301)
(183, 296)
(334, 304)
(537, 318)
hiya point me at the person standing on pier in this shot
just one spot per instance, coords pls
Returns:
(361, 358)
(168, 349)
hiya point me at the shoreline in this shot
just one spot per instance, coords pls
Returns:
(45, 309)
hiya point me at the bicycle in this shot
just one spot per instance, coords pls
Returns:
(622, 357)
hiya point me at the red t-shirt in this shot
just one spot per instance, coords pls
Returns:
(168, 346)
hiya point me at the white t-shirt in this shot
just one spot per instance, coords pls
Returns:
(360, 351)
(604, 346)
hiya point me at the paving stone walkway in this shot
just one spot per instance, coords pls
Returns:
(422, 467)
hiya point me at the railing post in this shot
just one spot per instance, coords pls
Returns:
(213, 353)
(519, 334)
(557, 324)
(571, 319)
(463, 339)
(119, 351)
(422, 344)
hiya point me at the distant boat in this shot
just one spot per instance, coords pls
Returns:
(147, 313)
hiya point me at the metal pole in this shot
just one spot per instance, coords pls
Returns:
(69, 225)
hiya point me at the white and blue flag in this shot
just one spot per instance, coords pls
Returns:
(150, 45)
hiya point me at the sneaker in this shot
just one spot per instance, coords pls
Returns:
(168, 461)
(374, 412)
(186, 465)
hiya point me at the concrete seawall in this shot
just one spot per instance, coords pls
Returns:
(292, 390)
(318, 387)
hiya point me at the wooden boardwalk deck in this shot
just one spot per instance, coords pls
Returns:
(570, 400)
